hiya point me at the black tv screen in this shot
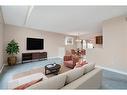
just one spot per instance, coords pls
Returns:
(35, 44)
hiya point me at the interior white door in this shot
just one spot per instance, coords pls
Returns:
(61, 52)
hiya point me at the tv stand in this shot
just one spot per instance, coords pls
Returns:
(29, 57)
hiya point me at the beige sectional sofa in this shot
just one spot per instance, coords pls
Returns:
(85, 77)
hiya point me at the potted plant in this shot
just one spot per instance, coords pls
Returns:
(12, 49)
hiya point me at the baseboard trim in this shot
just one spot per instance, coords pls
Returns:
(21, 62)
(2, 68)
(60, 57)
(53, 57)
(113, 70)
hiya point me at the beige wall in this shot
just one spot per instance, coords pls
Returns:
(52, 41)
(1, 39)
(114, 53)
(91, 36)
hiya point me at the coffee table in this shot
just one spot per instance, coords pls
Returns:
(52, 69)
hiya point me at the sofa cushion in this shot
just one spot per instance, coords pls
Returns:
(55, 82)
(73, 74)
(88, 67)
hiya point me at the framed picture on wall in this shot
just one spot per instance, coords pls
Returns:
(68, 40)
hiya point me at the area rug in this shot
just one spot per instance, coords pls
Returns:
(21, 80)
(39, 70)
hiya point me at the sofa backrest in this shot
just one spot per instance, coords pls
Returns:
(63, 79)
(78, 72)
(55, 82)
(88, 67)
(91, 80)
(73, 74)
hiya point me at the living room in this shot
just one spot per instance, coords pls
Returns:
(61, 34)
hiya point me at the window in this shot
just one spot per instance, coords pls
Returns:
(87, 44)
(84, 44)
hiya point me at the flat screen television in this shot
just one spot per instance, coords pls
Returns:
(35, 44)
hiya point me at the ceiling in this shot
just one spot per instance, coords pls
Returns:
(62, 19)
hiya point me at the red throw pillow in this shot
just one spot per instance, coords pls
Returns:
(80, 64)
(83, 63)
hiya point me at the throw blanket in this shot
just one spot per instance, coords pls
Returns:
(24, 86)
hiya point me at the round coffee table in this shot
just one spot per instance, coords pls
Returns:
(52, 68)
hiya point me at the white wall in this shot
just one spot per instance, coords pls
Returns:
(52, 41)
(1, 39)
(114, 52)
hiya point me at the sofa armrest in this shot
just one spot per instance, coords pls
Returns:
(91, 80)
